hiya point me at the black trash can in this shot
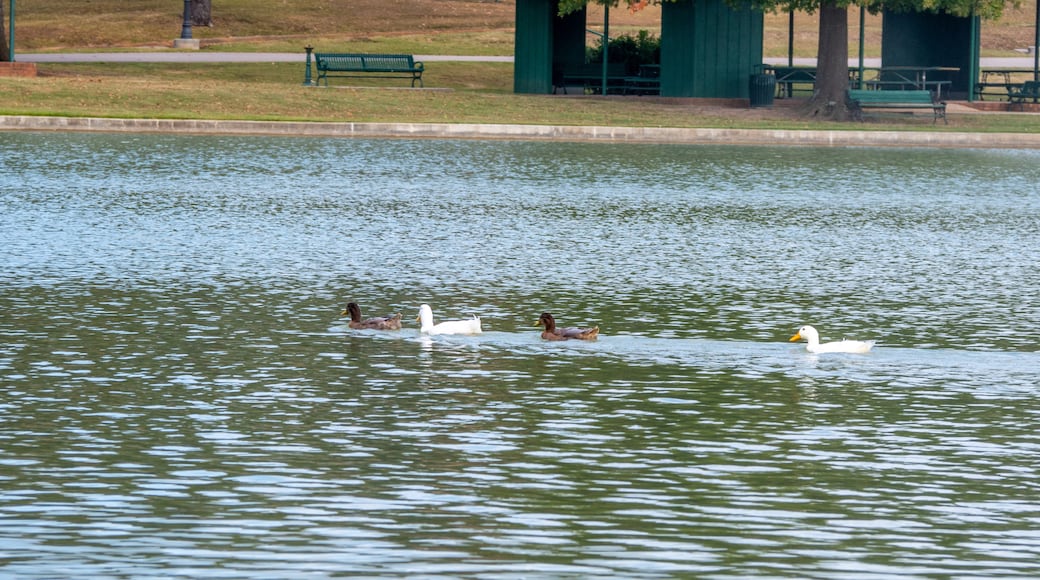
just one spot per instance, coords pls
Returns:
(762, 87)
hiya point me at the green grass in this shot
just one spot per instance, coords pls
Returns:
(260, 25)
(478, 92)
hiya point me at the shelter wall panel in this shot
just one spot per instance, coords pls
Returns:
(533, 49)
(708, 49)
(925, 39)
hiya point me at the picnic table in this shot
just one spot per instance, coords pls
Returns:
(999, 81)
(915, 77)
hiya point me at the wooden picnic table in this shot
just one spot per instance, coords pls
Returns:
(916, 76)
(1002, 80)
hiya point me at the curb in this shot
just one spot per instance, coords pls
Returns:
(529, 132)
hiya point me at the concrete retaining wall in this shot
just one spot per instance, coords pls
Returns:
(851, 138)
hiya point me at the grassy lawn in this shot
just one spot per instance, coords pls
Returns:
(460, 92)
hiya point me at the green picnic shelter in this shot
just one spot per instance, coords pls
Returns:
(711, 50)
(708, 49)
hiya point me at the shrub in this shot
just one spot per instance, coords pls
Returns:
(644, 48)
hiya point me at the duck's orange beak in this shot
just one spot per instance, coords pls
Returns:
(345, 312)
(797, 336)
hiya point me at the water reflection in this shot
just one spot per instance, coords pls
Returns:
(181, 398)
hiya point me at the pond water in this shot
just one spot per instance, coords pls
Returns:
(181, 399)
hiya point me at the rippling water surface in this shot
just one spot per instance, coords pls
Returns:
(180, 399)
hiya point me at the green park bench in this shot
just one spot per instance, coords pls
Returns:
(1019, 94)
(896, 100)
(379, 65)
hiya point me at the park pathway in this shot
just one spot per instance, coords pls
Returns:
(184, 56)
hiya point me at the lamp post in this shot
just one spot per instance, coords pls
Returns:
(186, 27)
(307, 74)
(186, 41)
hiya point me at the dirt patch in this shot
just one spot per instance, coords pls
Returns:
(17, 69)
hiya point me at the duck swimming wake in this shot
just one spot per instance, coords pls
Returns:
(471, 326)
(812, 338)
(392, 322)
(553, 333)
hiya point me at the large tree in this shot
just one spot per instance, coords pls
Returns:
(832, 52)
(201, 12)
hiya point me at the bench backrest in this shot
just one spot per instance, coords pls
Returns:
(361, 62)
(339, 60)
(909, 97)
(1031, 87)
(389, 61)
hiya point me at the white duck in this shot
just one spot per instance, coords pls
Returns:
(471, 326)
(812, 337)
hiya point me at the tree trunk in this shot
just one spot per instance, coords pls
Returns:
(202, 12)
(832, 65)
(4, 40)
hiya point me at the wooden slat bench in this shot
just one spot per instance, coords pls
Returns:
(1018, 95)
(356, 65)
(896, 100)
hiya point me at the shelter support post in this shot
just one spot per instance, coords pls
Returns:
(10, 53)
(862, 28)
(606, 45)
(1036, 43)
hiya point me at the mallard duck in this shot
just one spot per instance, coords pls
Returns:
(425, 318)
(553, 333)
(813, 345)
(379, 323)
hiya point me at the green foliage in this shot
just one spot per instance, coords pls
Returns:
(568, 6)
(988, 9)
(644, 48)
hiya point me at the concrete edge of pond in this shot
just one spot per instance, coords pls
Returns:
(850, 138)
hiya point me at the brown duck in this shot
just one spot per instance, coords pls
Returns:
(553, 333)
(377, 323)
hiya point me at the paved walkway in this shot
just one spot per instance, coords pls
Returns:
(184, 56)
(187, 56)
